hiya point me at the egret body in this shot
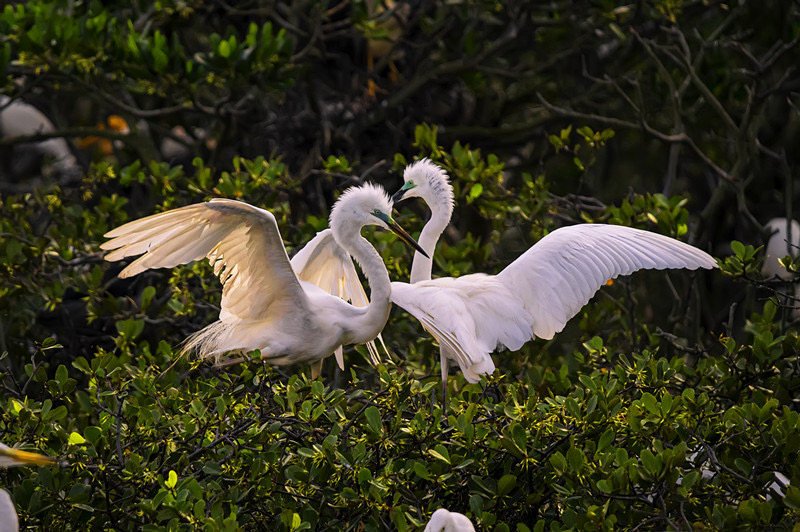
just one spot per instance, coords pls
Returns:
(266, 303)
(533, 296)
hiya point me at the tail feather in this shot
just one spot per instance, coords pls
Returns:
(209, 341)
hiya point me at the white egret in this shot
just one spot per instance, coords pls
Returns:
(268, 303)
(13, 457)
(444, 521)
(18, 118)
(470, 316)
(779, 245)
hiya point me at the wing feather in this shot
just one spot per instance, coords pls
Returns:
(538, 293)
(242, 243)
(557, 276)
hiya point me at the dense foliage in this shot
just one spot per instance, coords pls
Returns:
(669, 402)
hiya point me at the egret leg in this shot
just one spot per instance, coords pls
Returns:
(316, 368)
(443, 363)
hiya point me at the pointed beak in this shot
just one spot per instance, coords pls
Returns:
(398, 196)
(23, 457)
(404, 236)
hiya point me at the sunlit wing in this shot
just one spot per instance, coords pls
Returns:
(326, 264)
(558, 275)
(241, 242)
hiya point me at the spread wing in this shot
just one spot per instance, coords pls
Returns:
(536, 294)
(241, 242)
(558, 275)
(326, 264)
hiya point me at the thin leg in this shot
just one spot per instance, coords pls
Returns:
(316, 368)
(443, 363)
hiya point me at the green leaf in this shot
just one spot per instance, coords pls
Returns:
(476, 504)
(160, 60)
(650, 402)
(373, 416)
(605, 440)
(130, 328)
(575, 459)
(743, 465)
(147, 296)
(605, 485)
(792, 499)
(224, 49)
(474, 192)
(651, 462)
(172, 479)
(92, 434)
(421, 471)
(440, 453)
(558, 462)
(61, 374)
(506, 484)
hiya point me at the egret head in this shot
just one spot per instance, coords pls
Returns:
(426, 180)
(367, 204)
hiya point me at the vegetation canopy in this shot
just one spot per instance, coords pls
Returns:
(670, 402)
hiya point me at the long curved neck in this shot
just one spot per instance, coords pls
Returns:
(367, 323)
(441, 207)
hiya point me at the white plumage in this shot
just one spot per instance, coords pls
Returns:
(535, 295)
(778, 246)
(9, 522)
(21, 119)
(444, 521)
(13, 457)
(268, 303)
(326, 264)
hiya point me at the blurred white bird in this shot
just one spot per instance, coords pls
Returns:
(14, 457)
(290, 311)
(470, 316)
(444, 521)
(18, 118)
(780, 245)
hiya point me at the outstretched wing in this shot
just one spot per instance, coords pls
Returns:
(536, 294)
(241, 242)
(558, 275)
(326, 264)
